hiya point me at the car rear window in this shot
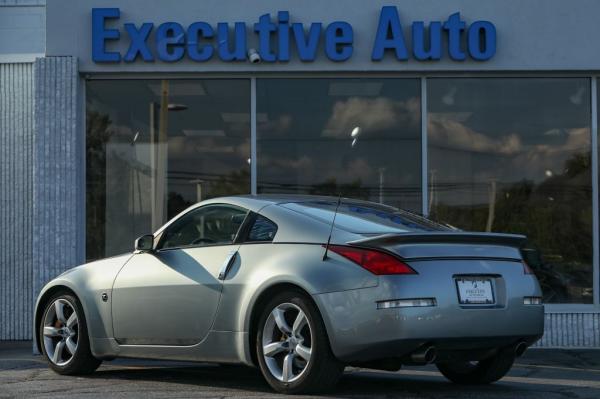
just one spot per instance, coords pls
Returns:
(365, 218)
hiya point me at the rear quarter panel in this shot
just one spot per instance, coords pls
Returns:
(264, 265)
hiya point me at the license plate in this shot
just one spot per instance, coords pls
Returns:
(475, 291)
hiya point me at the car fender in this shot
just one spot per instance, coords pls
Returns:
(38, 309)
(262, 266)
(89, 283)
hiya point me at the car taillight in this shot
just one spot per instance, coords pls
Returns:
(377, 262)
(527, 269)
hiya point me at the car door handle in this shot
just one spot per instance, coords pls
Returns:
(229, 261)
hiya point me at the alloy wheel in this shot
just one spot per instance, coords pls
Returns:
(287, 342)
(61, 332)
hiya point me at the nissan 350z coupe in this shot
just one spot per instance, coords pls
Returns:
(276, 282)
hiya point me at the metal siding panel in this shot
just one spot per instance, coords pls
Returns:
(3, 194)
(568, 329)
(56, 243)
(571, 330)
(22, 31)
(596, 327)
(16, 156)
(22, 3)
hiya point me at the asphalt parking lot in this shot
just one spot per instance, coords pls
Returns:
(541, 373)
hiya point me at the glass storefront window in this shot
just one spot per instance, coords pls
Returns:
(504, 154)
(357, 137)
(154, 147)
(513, 155)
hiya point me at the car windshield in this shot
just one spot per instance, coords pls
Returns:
(365, 218)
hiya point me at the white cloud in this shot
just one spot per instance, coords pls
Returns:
(445, 131)
(371, 114)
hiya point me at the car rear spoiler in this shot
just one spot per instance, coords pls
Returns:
(459, 237)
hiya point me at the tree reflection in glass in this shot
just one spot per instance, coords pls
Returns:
(513, 155)
(154, 147)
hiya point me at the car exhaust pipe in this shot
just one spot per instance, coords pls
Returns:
(520, 348)
(425, 355)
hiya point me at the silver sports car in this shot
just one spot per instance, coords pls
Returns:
(300, 286)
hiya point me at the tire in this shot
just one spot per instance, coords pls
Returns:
(69, 333)
(305, 337)
(478, 373)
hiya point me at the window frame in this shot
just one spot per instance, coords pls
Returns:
(159, 237)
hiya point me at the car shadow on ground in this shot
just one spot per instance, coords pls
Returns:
(547, 374)
(354, 383)
(217, 376)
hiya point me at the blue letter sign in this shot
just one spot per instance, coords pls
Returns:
(100, 35)
(280, 40)
(138, 43)
(389, 35)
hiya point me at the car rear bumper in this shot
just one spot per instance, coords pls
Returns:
(359, 331)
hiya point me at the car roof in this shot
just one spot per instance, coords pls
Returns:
(256, 203)
(285, 215)
(259, 201)
(251, 202)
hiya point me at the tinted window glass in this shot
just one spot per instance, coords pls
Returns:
(155, 147)
(357, 137)
(262, 230)
(361, 217)
(208, 225)
(513, 155)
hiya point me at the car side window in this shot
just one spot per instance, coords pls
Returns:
(262, 230)
(207, 225)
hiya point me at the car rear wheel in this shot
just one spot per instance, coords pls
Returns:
(64, 337)
(292, 346)
(479, 372)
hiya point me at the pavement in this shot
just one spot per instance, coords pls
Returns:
(540, 373)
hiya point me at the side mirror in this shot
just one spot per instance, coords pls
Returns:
(145, 243)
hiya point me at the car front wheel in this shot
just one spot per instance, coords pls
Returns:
(64, 337)
(479, 372)
(292, 346)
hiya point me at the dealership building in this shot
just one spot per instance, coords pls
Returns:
(116, 115)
